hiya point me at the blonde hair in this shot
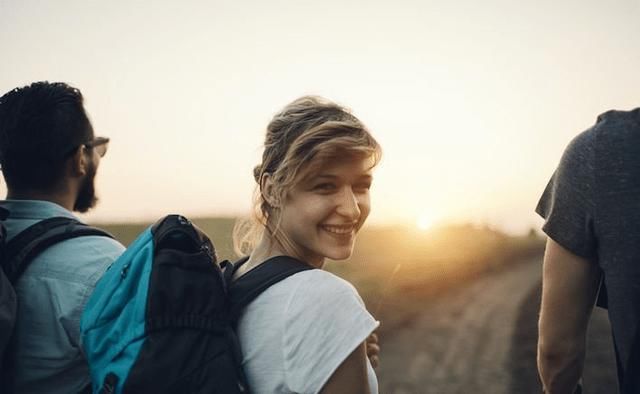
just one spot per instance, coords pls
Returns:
(301, 139)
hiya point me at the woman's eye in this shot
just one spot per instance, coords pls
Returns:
(324, 186)
(363, 186)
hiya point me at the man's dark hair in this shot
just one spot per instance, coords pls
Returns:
(40, 125)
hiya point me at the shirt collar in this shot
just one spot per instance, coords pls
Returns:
(35, 209)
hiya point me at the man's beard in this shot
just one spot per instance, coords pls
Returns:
(87, 194)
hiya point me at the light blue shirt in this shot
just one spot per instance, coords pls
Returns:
(51, 295)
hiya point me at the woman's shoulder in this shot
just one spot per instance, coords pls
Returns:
(316, 293)
(325, 277)
(325, 319)
(317, 282)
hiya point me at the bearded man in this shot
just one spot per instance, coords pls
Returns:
(49, 157)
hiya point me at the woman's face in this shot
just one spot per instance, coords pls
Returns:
(322, 214)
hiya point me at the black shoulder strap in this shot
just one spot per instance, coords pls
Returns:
(25, 246)
(4, 213)
(253, 283)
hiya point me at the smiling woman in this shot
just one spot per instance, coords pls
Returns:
(324, 212)
(313, 198)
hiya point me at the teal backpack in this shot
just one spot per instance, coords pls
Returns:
(161, 319)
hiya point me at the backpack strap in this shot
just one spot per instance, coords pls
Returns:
(253, 283)
(4, 213)
(28, 244)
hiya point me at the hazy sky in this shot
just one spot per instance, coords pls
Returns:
(472, 101)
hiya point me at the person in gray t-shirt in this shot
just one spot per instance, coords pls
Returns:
(592, 217)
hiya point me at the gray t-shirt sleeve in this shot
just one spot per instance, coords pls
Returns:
(568, 202)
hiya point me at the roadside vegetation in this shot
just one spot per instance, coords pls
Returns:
(396, 269)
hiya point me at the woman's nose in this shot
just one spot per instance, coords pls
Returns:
(348, 205)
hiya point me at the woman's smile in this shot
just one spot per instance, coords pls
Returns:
(345, 229)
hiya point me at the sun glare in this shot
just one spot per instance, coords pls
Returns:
(424, 222)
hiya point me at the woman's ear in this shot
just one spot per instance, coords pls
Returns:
(267, 189)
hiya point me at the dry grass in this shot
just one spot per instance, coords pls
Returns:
(218, 229)
(397, 270)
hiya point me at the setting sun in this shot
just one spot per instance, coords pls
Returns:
(424, 222)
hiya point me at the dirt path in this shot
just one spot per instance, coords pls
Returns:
(481, 339)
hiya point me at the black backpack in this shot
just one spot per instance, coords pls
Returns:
(162, 318)
(15, 257)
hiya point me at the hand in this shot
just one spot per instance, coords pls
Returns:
(373, 349)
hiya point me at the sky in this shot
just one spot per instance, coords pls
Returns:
(473, 102)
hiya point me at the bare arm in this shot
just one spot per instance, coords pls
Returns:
(351, 375)
(569, 288)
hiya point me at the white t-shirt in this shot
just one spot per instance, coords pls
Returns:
(300, 330)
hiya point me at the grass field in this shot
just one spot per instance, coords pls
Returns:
(218, 229)
(397, 269)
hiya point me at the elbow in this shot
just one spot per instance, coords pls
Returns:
(560, 350)
(555, 357)
(560, 365)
